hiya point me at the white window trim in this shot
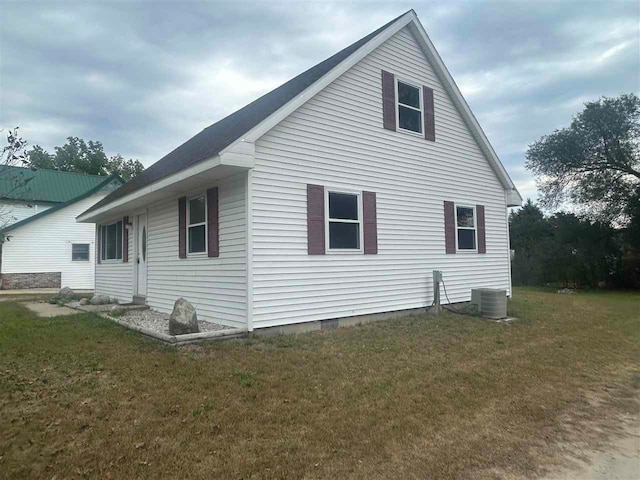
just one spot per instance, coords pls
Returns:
(88, 251)
(475, 228)
(110, 260)
(420, 104)
(205, 223)
(358, 195)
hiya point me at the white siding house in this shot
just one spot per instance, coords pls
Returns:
(47, 245)
(334, 198)
(42, 244)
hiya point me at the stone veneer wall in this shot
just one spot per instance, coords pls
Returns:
(13, 281)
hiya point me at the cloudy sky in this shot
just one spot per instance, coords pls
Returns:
(144, 76)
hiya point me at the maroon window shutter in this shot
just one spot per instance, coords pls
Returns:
(388, 100)
(182, 227)
(213, 227)
(429, 114)
(98, 244)
(315, 220)
(449, 227)
(125, 240)
(482, 241)
(370, 222)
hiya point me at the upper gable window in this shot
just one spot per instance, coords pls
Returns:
(409, 106)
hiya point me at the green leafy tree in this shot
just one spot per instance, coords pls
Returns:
(595, 162)
(85, 157)
(41, 158)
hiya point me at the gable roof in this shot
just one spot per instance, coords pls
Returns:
(87, 193)
(42, 185)
(222, 134)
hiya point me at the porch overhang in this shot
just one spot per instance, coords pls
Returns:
(186, 181)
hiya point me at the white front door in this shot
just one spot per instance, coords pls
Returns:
(141, 254)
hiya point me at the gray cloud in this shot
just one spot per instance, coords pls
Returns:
(142, 77)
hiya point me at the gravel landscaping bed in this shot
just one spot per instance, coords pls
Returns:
(159, 322)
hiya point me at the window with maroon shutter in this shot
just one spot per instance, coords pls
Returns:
(315, 220)
(388, 100)
(449, 227)
(182, 227)
(370, 222)
(110, 241)
(482, 241)
(125, 240)
(429, 114)
(410, 107)
(213, 236)
(344, 221)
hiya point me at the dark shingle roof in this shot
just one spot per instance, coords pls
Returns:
(51, 186)
(216, 137)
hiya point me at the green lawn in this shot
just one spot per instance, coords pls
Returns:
(418, 397)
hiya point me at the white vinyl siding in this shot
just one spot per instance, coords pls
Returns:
(45, 245)
(337, 140)
(115, 278)
(216, 286)
(14, 212)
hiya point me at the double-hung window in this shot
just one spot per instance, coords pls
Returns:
(344, 221)
(409, 106)
(197, 224)
(466, 227)
(111, 241)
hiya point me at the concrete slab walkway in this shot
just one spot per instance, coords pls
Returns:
(37, 291)
(49, 310)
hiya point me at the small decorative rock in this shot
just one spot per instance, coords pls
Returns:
(183, 319)
(66, 293)
(100, 300)
(84, 301)
(114, 300)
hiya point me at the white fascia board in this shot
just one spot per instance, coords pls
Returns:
(276, 117)
(155, 186)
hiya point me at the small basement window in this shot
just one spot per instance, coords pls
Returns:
(197, 227)
(344, 221)
(79, 252)
(409, 107)
(466, 227)
(111, 241)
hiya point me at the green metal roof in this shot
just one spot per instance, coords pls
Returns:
(52, 186)
(111, 181)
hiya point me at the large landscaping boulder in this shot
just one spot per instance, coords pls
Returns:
(183, 319)
(100, 300)
(66, 293)
(117, 311)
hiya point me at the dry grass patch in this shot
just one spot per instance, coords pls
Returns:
(451, 397)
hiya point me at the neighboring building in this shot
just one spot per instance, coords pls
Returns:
(335, 195)
(42, 244)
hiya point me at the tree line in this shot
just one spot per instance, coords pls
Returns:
(593, 166)
(83, 157)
